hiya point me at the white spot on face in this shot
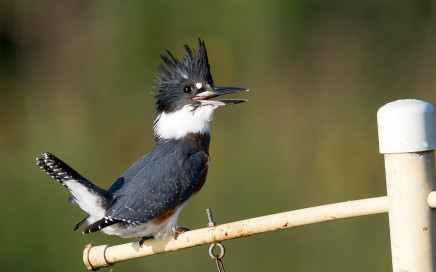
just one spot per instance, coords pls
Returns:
(205, 93)
(188, 119)
(198, 85)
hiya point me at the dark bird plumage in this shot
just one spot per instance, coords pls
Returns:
(149, 196)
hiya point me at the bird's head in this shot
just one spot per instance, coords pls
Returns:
(184, 94)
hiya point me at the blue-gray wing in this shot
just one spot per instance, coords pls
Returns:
(165, 177)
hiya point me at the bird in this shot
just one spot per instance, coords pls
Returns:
(146, 200)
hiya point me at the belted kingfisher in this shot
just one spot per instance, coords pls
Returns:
(146, 200)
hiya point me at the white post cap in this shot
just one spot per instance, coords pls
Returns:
(406, 125)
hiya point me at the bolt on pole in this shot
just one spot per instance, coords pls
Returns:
(407, 138)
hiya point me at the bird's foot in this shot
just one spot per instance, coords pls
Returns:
(179, 230)
(143, 239)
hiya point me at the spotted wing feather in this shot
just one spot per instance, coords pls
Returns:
(167, 176)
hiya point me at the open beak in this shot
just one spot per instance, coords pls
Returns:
(204, 97)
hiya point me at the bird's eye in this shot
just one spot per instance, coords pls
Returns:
(187, 89)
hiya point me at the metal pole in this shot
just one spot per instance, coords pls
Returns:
(407, 139)
(96, 257)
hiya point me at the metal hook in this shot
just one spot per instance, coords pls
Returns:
(216, 256)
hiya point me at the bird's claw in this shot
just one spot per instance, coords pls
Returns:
(143, 239)
(179, 230)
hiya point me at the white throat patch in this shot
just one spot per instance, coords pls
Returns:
(187, 120)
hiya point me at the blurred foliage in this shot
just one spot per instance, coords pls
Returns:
(76, 77)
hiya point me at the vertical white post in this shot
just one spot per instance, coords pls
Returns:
(407, 138)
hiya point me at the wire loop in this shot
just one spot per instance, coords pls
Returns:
(216, 256)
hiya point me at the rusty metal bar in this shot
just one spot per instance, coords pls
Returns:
(96, 257)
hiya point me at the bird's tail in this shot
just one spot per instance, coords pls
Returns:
(90, 198)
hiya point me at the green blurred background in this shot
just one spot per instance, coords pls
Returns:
(76, 77)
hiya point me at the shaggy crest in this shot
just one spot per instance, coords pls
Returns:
(175, 74)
